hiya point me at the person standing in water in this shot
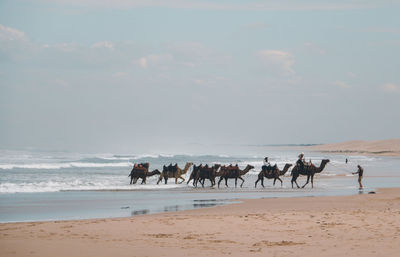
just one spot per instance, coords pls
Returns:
(360, 173)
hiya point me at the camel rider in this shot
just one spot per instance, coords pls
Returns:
(300, 161)
(267, 165)
(266, 162)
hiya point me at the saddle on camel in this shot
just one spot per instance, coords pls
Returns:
(268, 169)
(231, 168)
(302, 165)
(172, 168)
(141, 166)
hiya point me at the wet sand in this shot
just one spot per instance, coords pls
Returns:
(359, 225)
(390, 147)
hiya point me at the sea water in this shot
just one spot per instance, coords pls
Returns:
(37, 185)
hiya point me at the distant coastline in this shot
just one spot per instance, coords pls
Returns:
(390, 147)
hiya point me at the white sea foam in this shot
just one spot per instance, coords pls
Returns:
(74, 185)
(63, 165)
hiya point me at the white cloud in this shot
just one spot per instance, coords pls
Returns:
(14, 44)
(315, 48)
(341, 84)
(103, 44)
(155, 60)
(352, 74)
(277, 61)
(120, 75)
(383, 30)
(390, 88)
(10, 36)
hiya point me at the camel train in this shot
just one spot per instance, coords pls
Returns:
(201, 173)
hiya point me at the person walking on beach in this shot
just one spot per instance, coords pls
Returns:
(360, 173)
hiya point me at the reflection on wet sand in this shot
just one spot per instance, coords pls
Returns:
(181, 207)
(140, 212)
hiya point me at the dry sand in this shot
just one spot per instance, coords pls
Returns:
(389, 147)
(360, 225)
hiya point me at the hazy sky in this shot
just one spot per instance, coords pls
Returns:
(120, 75)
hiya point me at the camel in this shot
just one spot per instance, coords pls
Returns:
(143, 174)
(207, 173)
(142, 167)
(233, 172)
(273, 174)
(309, 171)
(171, 172)
(194, 173)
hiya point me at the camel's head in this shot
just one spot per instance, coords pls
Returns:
(325, 160)
(250, 167)
(156, 171)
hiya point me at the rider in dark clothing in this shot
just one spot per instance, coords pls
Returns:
(360, 173)
(300, 161)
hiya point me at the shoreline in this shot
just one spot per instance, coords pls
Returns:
(355, 224)
(390, 148)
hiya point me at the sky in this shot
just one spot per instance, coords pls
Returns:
(149, 75)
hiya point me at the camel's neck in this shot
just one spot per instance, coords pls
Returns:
(187, 166)
(151, 173)
(285, 169)
(321, 167)
(242, 172)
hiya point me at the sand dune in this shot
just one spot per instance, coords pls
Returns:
(389, 147)
(360, 225)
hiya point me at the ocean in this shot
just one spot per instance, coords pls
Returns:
(43, 185)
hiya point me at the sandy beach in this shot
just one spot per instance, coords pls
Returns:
(390, 147)
(365, 224)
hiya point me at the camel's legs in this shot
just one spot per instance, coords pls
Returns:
(160, 178)
(308, 179)
(294, 179)
(236, 182)
(183, 180)
(165, 180)
(312, 181)
(212, 182)
(255, 186)
(242, 181)
(226, 182)
(219, 181)
(144, 180)
(279, 180)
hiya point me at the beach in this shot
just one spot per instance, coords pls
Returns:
(390, 147)
(365, 224)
